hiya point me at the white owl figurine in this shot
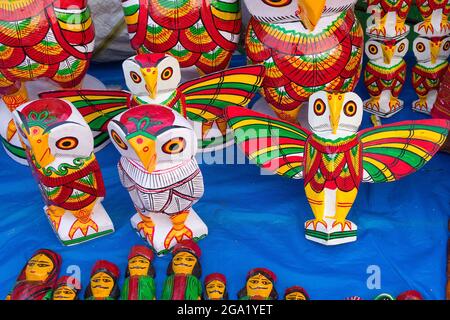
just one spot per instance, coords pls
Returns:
(385, 75)
(432, 61)
(60, 149)
(158, 168)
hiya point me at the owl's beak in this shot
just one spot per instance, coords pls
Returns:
(335, 103)
(39, 146)
(310, 11)
(435, 48)
(145, 149)
(388, 53)
(151, 80)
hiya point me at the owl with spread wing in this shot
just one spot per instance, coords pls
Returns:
(306, 46)
(334, 157)
(198, 33)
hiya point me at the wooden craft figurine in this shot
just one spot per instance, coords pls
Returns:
(183, 273)
(201, 34)
(432, 61)
(60, 145)
(410, 295)
(140, 275)
(388, 18)
(435, 14)
(103, 282)
(306, 46)
(155, 79)
(385, 75)
(38, 277)
(216, 287)
(51, 39)
(159, 170)
(260, 285)
(67, 288)
(334, 157)
(441, 108)
(296, 293)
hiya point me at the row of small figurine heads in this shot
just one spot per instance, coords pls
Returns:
(38, 279)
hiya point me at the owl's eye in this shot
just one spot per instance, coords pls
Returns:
(401, 47)
(373, 49)
(67, 143)
(167, 73)
(174, 146)
(447, 45)
(118, 140)
(135, 77)
(319, 107)
(420, 47)
(277, 3)
(350, 109)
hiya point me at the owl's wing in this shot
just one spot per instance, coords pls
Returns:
(97, 107)
(207, 96)
(136, 17)
(391, 152)
(272, 144)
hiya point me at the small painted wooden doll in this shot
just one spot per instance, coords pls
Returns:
(296, 293)
(216, 287)
(410, 295)
(139, 278)
(67, 288)
(259, 285)
(183, 273)
(103, 284)
(38, 277)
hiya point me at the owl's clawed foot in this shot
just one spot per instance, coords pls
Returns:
(379, 29)
(147, 230)
(343, 224)
(394, 104)
(400, 27)
(373, 104)
(83, 226)
(445, 25)
(427, 26)
(421, 104)
(55, 214)
(315, 223)
(178, 234)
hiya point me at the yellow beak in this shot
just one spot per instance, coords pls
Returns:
(335, 103)
(151, 80)
(388, 53)
(310, 12)
(145, 148)
(435, 48)
(39, 147)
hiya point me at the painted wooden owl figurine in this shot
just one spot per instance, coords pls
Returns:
(431, 54)
(435, 14)
(198, 33)
(334, 157)
(158, 168)
(385, 75)
(388, 18)
(306, 46)
(51, 39)
(60, 145)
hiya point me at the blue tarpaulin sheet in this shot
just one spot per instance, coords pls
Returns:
(257, 220)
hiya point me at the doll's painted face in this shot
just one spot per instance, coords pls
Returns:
(38, 268)
(101, 285)
(138, 266)
(295, 296)
(64, 293)
(259, 285)
(215, 290)
(183, 263)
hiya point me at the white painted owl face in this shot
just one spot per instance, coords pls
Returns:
(433, 49)
(154, 136)
(151, 74)
(54, 131)
(335, 115)
(307, 11)
(386, 51)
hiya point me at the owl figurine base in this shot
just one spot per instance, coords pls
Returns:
(99, 220)
(329, 235)
(163, 226)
